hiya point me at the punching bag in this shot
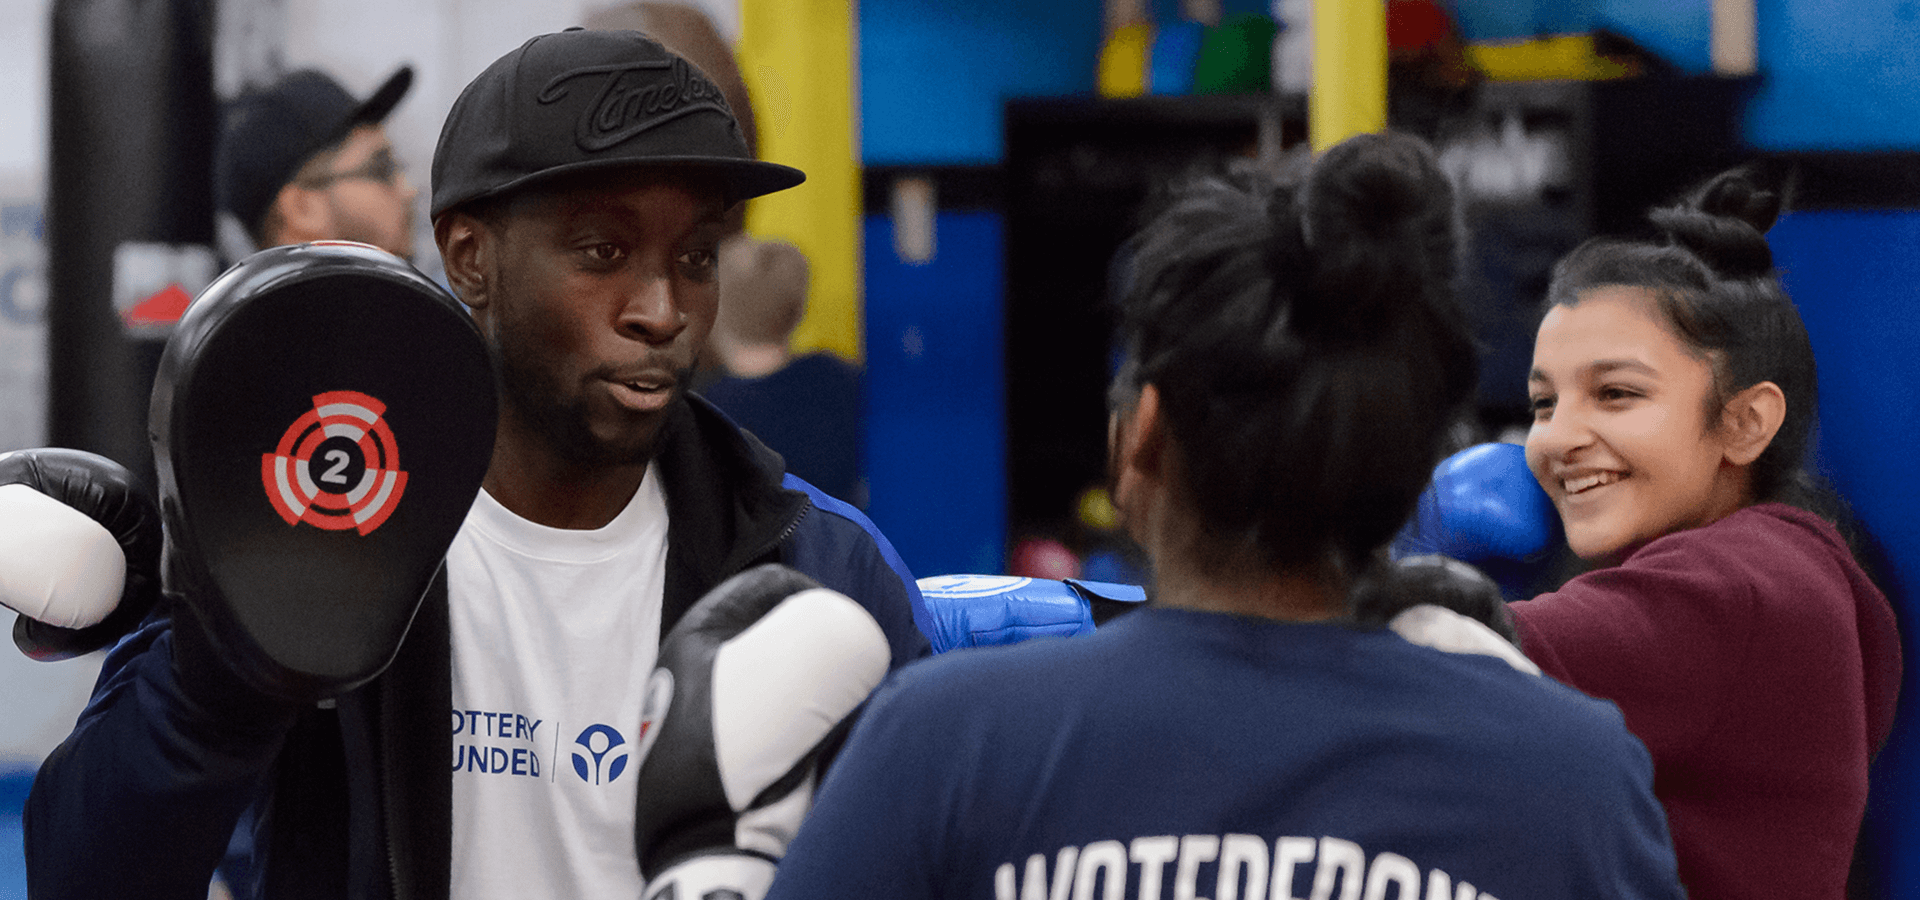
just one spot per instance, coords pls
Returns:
(129, 215)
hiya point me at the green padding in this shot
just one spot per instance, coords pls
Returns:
(1236, 57)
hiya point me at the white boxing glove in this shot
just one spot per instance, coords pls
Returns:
(751, 683)
(83, 550)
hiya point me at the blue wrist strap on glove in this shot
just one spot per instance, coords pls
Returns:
(991, 610)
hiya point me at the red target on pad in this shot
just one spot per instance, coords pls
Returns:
(337, 467)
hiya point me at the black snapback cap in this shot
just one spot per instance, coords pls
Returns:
(267, 133)
(579, 100)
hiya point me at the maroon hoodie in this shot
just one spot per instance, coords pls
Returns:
(1760, 667)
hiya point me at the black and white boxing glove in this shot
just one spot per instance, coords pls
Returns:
(83, 551)
(1394, 587)
(751, 684)
(1440, 603)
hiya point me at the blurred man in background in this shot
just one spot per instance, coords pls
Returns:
(302, 160)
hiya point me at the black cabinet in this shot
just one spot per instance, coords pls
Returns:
(1544, 165)
(1077, 176)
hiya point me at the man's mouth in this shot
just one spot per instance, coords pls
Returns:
(643, 384)
(643, 392)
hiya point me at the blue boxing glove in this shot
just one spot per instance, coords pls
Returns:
(990, 610)
(1484, 507)
(1482, 504)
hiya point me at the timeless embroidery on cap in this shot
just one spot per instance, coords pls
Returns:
(624, 107)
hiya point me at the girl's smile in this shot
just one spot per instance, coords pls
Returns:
(1622, 440)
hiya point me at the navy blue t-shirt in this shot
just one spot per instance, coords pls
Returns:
(809, 413)
(1186, 754)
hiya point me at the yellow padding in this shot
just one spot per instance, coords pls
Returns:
(1123, 61)
(797, 59)
(1349, 93)
(1565, 57)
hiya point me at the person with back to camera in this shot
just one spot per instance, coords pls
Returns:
(301, 160)
(1674, 393)
(580, 188)
(806, 408)
(1294, 354)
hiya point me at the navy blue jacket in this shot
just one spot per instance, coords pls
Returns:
(355, 801)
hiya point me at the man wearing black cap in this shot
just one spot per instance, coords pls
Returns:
(581, 184)
(302, 160)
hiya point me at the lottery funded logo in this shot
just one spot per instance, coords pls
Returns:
(600, 754)
(337, 467)
(488, 743)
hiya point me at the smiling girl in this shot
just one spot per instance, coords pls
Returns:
(1673, 393)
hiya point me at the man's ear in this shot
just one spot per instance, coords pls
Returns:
(1750, 421)
(465, 246)
(303, 215)
(1138, 447)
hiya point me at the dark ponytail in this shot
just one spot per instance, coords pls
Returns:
(1725, 224)
(1307, 345)
(1712, 278)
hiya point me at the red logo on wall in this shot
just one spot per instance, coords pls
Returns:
(337, 467)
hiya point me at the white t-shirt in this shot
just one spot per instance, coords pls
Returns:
(554, 634)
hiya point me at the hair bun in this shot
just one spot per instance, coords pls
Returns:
(1369, 187)
(1378, 219)
(1725, 223)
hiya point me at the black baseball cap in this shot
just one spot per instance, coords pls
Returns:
(267, 133)
(579, 100)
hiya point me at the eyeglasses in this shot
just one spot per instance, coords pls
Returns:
(381, 168)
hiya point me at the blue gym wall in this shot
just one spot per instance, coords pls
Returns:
(933, 72)
(936, 429)
(932, 78)
(1840, 75)
(14, 782)
(1862, 311)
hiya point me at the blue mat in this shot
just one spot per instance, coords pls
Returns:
(13, 863)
